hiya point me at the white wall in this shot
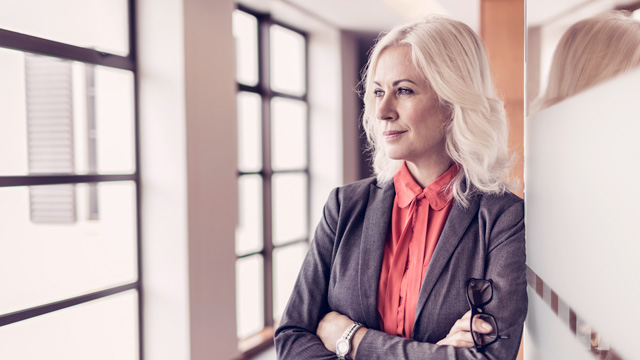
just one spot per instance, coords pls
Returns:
(188, 155)
(164, 182)
(210, 94)
(582, 214)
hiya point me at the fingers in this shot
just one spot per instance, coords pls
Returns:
(460, 325)
(460, 339)
(460, 335)
(482, 327)
(462, 343)
(463, 324)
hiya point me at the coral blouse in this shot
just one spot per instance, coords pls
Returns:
(417, 220)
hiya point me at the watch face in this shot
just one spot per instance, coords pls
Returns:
(342, 347)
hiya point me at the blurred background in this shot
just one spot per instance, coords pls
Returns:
(163, 163)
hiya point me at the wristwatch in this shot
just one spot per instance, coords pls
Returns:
(343, 345)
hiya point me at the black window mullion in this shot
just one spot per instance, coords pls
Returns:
(264, 82)
(133, 57)
(62, 304)
(308, 134)
(270, 93)
(32, 44)
(34, 180)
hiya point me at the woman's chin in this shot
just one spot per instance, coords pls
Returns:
(396, 155)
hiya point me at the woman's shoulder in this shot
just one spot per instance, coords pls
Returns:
(507, 198)
(358, 192)
(502, 205)
(360, 185)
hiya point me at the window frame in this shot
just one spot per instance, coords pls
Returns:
(264, 338)
(36, 45)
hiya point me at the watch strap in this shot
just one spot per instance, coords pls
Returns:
(347, 336)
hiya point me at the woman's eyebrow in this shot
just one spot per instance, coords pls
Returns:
(395, 83)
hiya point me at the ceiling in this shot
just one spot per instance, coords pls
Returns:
(377, 15)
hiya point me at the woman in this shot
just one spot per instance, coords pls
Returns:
(397, 253)
(590, 51)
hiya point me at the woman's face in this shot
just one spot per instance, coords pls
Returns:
(411, 121)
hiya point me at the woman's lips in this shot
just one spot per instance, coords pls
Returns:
(392, 134)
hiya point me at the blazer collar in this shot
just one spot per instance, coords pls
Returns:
(374, 234)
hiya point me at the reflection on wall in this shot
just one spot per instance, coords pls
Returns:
(583, 207)
(590, 51)
(547, 22)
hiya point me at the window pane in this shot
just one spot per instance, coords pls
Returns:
(102, 329)
(98, 24)
(286, 265)
(249, 295)
(288, 134)
(289, 207)
(245, 31)
(42, 261)
(115, 126)
(249, 131)
(13, 130)
(288, 61)
(64, 117)
(249, 231)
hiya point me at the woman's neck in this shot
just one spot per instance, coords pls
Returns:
(425, 173)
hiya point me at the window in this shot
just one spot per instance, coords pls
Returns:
(273, 169)
(69, 184)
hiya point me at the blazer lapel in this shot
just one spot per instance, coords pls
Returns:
(376, 226)
(454, 229)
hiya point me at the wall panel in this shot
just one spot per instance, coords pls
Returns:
(583, 211)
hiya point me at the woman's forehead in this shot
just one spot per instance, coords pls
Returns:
(394, 63)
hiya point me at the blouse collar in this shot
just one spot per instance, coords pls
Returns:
(407, 189)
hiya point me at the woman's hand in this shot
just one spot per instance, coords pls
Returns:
(331, 328)
(460, 335)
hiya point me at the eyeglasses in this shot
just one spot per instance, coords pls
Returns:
(479, 294)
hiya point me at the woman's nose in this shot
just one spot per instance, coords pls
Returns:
(385, 109)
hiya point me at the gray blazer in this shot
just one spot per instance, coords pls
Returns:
(342, 269)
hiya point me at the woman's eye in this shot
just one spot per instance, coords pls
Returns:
(404, 91)
(378, 93)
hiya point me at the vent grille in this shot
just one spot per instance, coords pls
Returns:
(50, 136)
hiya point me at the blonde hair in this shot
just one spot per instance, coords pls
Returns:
(589, 52)
(451, 58)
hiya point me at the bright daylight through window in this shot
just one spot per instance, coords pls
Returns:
(273, 169)
(69, 238)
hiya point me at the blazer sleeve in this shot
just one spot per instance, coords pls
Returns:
(505, 264)
(296, 337)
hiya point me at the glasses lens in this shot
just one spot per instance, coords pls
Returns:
(480, 292)
(482, 339)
